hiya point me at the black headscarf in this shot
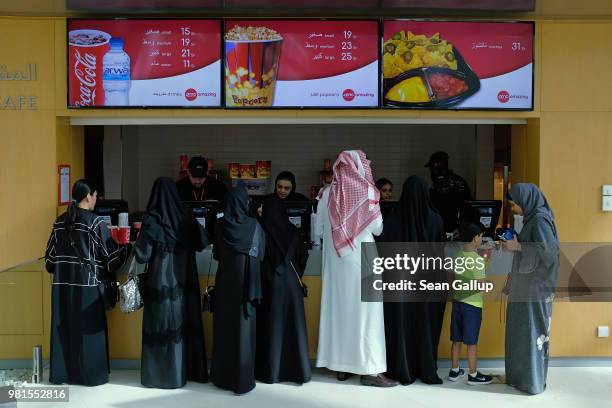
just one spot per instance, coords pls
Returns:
(414, 218)
(279, 230)
(286, 175)
(237, 227)
(166, 216)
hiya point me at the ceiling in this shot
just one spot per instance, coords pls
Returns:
(271, 7)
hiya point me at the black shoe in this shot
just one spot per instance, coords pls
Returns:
(455, 375)
(343, 376)
(379, 380)
(479, 379)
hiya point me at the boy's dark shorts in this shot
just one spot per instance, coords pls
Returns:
(465, 323)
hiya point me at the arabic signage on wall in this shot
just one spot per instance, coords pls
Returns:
(122, 63)
(13, 75)
(306, 63)
(457, 65)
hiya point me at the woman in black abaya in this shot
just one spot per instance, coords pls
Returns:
(172, 334)
(412, 328)
(79, 337)
(239, 247)
(282, 340)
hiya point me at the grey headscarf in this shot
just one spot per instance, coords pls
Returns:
(531, 199)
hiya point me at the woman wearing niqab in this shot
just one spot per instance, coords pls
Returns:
(413, 327)
(282, 340)
(239, 247)
(173, 349)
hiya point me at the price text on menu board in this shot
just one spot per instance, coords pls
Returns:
(301, 63)
(458, 65)
(144, 62)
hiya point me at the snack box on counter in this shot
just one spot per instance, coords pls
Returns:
(262, 169)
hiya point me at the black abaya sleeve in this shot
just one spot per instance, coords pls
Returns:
(216, 242)
(143, 248)
(252, 287)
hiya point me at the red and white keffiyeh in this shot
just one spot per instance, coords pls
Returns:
(353, 200)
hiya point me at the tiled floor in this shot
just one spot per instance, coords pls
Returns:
(567, 387)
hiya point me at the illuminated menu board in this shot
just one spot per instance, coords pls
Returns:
(457, 65)
(139, 63)
(305, 63)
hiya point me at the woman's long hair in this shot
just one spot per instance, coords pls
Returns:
(80, 190)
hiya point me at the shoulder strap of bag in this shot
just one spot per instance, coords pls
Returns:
(296, 273)
(209, 267)
(131, 271)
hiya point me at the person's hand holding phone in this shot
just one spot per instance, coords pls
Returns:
(512, 245)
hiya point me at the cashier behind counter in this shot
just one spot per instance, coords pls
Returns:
(297, 205)
(199, 187)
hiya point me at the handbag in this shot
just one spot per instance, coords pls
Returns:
(107, 287)
(302, 284)
(130, 297)
(209, 296)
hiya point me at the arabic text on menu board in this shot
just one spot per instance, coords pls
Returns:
(144, 62)
(301, 63)
(458, 65)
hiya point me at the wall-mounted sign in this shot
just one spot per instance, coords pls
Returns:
(305, 63)
(18, 102)
(457, 65)
(18, 74)
(140, 63)
(27, 73)
(63, 184)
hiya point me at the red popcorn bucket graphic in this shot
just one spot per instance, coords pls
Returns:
(251, 67)
(85, 53)
(234, 170)
(264, 168)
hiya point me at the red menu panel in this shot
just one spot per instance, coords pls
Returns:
(144, 62)
(440, 64)
(301, 63)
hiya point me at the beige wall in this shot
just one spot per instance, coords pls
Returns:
(32, 144)
(575, 148)
(27, 142)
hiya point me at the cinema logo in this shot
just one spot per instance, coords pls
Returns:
(505, 97)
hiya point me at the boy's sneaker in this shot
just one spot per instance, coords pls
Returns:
(479, 379)
(455, 375)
